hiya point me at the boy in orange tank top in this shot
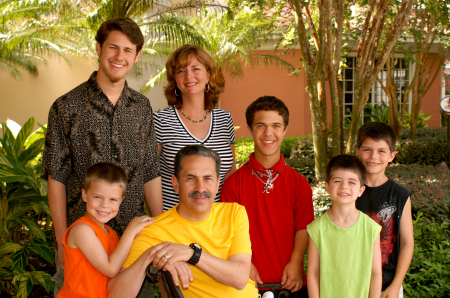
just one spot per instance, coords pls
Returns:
(92, 250)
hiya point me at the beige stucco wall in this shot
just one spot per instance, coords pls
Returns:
(33, 96)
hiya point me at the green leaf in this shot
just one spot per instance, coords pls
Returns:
(9, 247)
(32, 227)
(5, 273)
(20, 258)
(44, 279)
(32, 151)
(6, 262)
(44, 249)
(8, 140)
(45, 208)
(42, 187)
(25, 286)
(23, 135)
(16, 211)
(26, 195)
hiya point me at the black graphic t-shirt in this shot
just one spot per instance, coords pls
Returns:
(384, 204)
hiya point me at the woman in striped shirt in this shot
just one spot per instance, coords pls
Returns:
(193, 90)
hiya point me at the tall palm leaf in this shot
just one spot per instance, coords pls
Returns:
(230, 41)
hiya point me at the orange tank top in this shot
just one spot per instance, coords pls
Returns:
(81, 279)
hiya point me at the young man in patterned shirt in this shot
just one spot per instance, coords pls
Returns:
(278, 201)
(102, 120)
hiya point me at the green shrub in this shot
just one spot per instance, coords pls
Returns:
(439, 132)
(429, 272)
(430, 187)
(430, 150)
(305, 167)
(421, 118)
(25, 246)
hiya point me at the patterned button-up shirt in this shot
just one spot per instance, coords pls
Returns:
(84, 128)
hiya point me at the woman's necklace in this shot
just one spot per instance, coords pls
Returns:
(268, 175)
(195, 121)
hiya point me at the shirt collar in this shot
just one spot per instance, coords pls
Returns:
(256, 166)
(96, 91)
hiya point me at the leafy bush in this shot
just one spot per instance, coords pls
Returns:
(418, 151)
(25, 246)
(440, 133)
(421, 118)
(429, 272)
(304, 148)
(430, 187)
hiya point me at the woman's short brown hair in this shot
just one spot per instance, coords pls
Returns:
(180, 59)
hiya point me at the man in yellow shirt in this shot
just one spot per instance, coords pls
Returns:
(204, 245)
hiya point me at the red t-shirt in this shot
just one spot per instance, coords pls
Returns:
(274, 217)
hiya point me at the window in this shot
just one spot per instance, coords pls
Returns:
(377, 96)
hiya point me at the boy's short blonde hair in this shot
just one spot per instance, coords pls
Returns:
(105, 172)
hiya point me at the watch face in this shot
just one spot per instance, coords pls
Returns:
(197, 246)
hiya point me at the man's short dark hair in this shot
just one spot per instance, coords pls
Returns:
(105, 172)
(197, 150)
(125, 25)
(348, 163)
(267, 103)
(376, 131)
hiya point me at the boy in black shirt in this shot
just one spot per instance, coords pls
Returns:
(388, 203)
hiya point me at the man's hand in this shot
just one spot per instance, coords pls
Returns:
(292, 277)
(391, 292)
(167, 253)
(181, 272)
(254, 275)
(61, 255)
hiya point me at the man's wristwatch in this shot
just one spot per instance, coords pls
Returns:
(197, 253)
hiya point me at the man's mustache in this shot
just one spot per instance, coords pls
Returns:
(198, 194)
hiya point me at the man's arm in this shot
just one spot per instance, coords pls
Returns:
(153, 196)
(405, 254)
(313, 270)
(129, 280)
(376, 279)
(292, 274)
(57, 203)
(234, 272)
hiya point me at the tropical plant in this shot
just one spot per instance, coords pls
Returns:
(420, 120)
(230, 38)
(25, 246)
(377, 113)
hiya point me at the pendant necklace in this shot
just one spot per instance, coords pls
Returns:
(268, 176)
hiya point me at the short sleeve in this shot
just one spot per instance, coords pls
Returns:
(56, 159)
(240, 242)
(227, 193)
(139, 246)
(303, 205)
(230, 128)
(151, 158)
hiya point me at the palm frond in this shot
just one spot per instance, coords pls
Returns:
(156, 79)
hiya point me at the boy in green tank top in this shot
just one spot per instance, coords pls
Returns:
(344, 257)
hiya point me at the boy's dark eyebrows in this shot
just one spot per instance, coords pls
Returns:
(128, 48)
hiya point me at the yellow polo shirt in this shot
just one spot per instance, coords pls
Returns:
(223, 234)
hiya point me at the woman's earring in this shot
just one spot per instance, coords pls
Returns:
(207, 85)
(176, 92)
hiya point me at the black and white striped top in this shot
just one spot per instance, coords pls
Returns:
(173, 135)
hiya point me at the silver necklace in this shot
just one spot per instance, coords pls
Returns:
(268, 175)
(195, 121)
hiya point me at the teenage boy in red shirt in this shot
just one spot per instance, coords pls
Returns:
(278, 200)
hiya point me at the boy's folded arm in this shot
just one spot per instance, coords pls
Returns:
(406, 247)
(86, 240)
(313, 276)
(376, 279)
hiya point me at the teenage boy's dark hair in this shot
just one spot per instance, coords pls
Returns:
(125, 25)
(376, 131)
(197, 150)
(346, 162)
(105, 172)
(267, 103)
